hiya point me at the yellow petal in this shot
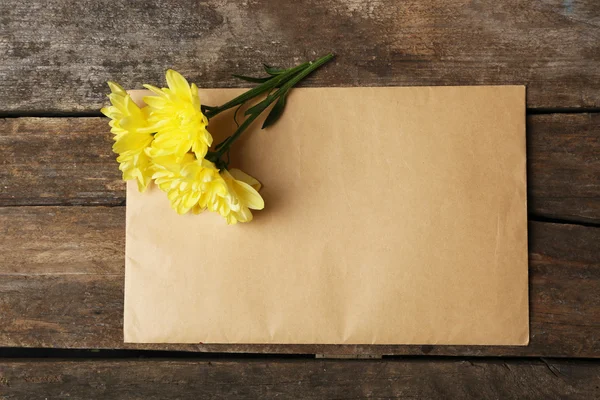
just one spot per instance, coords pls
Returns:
(107, 111)
(116, 88)
(197, 209)
(142, 184)
(155, 90)
(155, 101)
(178, 84)
(249, 196)
(118, 101)
(131, 142)
(244, 177)
(244, 215)
(196, 98)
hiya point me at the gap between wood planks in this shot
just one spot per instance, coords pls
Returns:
(57, 355)
(97, 354)
(564, 221)
(92, 114)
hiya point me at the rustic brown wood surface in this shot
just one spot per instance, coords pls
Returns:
(58, 54)
(62, 201)
(68, 161)
(300, 379)
(62, 286)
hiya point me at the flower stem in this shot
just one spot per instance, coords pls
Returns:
(284, 81)
(257, 91)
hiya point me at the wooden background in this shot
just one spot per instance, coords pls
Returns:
(62, 201)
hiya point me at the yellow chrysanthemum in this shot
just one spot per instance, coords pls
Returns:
(129, 123)
(242, 195)
(176, 118)
(188, 182)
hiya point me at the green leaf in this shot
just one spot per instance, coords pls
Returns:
(260, 107)
(276, 111)
(273, 71)
(277, 81)
(252, 79)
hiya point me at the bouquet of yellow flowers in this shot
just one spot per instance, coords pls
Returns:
(167, 141)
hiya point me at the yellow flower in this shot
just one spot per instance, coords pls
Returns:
(188, 182)
(242, 195)
(176, 118)
(129, 123)
(198, 185)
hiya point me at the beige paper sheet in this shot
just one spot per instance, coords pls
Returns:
(393, 216)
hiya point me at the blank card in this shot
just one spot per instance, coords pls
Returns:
(392, 216)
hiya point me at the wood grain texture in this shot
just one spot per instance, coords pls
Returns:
(68, 161)
(61, 286)
(299, 379)
(58, 54)
(48, 161)
(564, 166)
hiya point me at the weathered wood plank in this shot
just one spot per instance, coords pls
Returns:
(300, 379)
(58, 54)
(58, 161)
(564, 166)
(61, 286)
(66, 161)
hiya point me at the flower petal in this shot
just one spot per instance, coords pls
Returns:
(116, 88)
(155, 101)
(155, 90)
(244, 177)
(249, 196)
(178, 84)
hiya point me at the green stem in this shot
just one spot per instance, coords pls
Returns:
(313, 66)
(260, 107)
(289, 79)
(214, 156)
(257, 91)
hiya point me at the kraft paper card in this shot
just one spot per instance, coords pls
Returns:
(392, 216)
